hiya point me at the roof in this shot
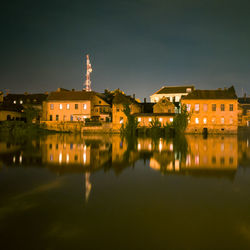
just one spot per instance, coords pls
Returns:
(120, 98)
(70, 95)
(147, 107)
(174, 89)
(212, 94)
(244, 100)
(11, 107)
(26, 98)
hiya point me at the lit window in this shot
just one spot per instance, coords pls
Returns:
(67, 106)
(171, 119)
(197, 107)
(14, 102)
(160, 119)
(231, 107)
(231, 120)
(222, 107)
(205, 120)
(188, 107)
(21, 102)
(84, 106)
(197, 120)
(60, 106)
(139, 119)
(171, 98)
(177, 98)
(188, 90)
(121, 120)
(51, 106)
(205, 107)
(150, 119)
(222, 120)
(213, 107)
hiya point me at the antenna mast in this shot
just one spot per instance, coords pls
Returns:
(89, 70)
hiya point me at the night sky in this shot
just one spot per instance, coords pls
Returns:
(135, 45)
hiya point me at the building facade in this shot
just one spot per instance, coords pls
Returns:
(244, 111)
(64, 105)
(212, 111)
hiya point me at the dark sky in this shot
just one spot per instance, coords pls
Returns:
(135, 45)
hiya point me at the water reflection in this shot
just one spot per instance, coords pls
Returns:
(217, 156)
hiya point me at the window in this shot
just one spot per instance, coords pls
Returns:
(205, 120)
(171, 119)
(231, 107)
(188, 107)
(197, 120)
(149, 119)
(71, 117)
(67, 106)
(121, 120)
(188, 90)
(171, 98)
(21, 102)
(50, 118)
(197, 107)
(57, 117)
(231, 121)
(213, 107)
(177, 98)
(213, 120)
(222, 107)
(139, 119)
(205, 107)
(100, 102)
(222, 120)
(84, 106)
(14, 102)
(117, 110)
(51, 106)
(76, 106)
(60, 106)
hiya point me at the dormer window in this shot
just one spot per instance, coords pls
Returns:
(188, 90)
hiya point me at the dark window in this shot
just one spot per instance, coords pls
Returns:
(222, 107)
(50, 118)
(76, 106)
(231, 160)
(222, 160)
(56, 146)
(213, 107)
(57, 117)
(117, 110)
(213, 159)
(50, 146)
(231, 107)
(100, 102)
(76, 157)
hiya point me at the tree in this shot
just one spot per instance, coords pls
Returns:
(180, 121)
(31, 113)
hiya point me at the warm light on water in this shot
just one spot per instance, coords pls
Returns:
(95, 192)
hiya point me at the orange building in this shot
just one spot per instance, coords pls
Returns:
(64, 105)
(244, 111)
(212, 111)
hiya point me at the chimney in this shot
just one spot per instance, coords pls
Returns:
(133, 96)
(245, 96)
(145, 100)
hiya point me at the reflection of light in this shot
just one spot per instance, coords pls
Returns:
(160, 119)
(67, 158)
(139, 146)
(85, 147)
(14, 159)
(171, 147)
(177, 165)
(51, 157)
(247, 143)
(197, 160)
(170, 166)
(222, 146)
(60, 158)
(149, 146)
(20, 158)
(205, 159)
(188, 160)
(84, 158)
(160, 146)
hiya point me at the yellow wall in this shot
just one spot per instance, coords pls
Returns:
(213, 118)
(5, 113)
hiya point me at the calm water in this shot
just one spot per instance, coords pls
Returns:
(94, 192)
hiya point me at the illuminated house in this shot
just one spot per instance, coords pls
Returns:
(244, 111)
(173, 93)
(212, 111)
(65, 105)
(162, 111)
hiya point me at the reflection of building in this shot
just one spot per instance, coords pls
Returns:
(65, 105)
(173, 93)
(244, 150)
(214, 111)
